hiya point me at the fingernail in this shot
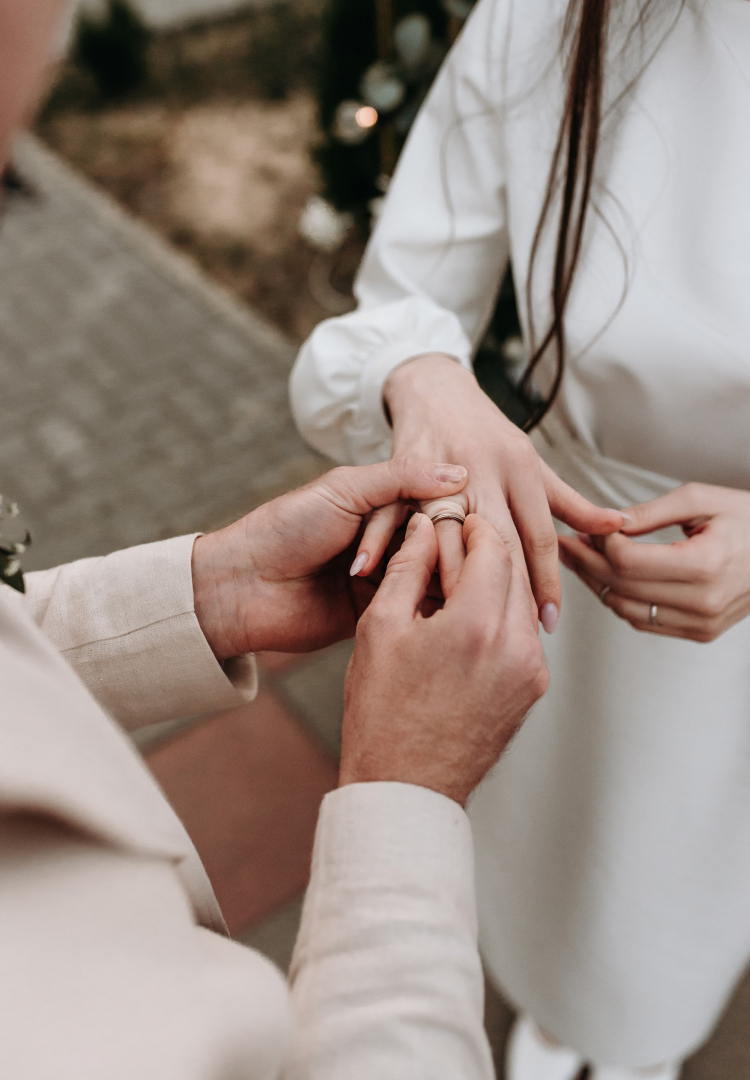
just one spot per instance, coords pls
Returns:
(585, 539)
(622, 514)
(449, 474)
(414, 522)
(548, 617)
(358, 564)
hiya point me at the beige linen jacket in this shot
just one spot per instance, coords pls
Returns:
(114, 963)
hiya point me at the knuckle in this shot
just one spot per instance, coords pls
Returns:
(529, 657)
(340, 475)
(521, 447)
(375, 620)
(509, 539)
(711, 567)
(543, 543)
(540, 684)
(621, 560)
(711, 604)
(406, 465)
(694, 493)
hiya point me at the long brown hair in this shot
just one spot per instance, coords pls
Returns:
(585, 41)
(585, 33)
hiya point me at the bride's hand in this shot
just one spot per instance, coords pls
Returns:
(700, 585)
(438, 408)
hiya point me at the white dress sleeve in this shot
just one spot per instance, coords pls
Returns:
(435, 261)
(386, 977)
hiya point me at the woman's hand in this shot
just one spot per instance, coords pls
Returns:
(438, 408)
(700, 585)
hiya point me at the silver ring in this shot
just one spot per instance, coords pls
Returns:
(448, 515)
(603, 593)
(652, 615)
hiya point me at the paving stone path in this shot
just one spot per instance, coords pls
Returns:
(136, 400)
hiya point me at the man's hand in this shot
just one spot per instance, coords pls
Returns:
(279, 578)
(435, 701)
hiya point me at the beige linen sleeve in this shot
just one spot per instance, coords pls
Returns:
(126, 623)
(386, 977)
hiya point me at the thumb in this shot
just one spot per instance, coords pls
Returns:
(567, 505)
(360, 490)
(409, 572)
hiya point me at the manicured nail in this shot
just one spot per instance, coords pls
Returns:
(585, 539)
(358, 563)
(414, 522)
(548, 617)
(622, 514)
(449, 474)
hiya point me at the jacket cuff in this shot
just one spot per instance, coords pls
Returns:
(389, 840)
(126, 623)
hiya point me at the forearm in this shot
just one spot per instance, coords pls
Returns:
(386, 978)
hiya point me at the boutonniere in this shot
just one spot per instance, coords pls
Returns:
(11, 550)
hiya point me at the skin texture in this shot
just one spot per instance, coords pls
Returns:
(435, 701)
(701, 584)
(438, 408)
(279, 578)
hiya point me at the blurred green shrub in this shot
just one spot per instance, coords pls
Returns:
(112, 49)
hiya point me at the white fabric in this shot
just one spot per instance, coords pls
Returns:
(613, 841)
(109, 966)
(529, 1056)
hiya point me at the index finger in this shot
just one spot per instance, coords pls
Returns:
(486, 573)
(681, 561)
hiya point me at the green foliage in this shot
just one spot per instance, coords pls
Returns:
(113, 49)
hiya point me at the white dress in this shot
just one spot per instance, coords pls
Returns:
(613, 840)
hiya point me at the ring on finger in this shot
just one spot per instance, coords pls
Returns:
(653, 615)
(605, 589)
(449, 515)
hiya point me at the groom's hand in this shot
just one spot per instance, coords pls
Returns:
(434, 701)
(279, 578)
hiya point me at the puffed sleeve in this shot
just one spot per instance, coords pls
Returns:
(434, 263)
(386, 977)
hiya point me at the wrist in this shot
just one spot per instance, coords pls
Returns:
(411, 381)
(222, 573)
(373, 761)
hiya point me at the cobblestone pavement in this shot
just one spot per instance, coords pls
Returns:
(137, 400)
